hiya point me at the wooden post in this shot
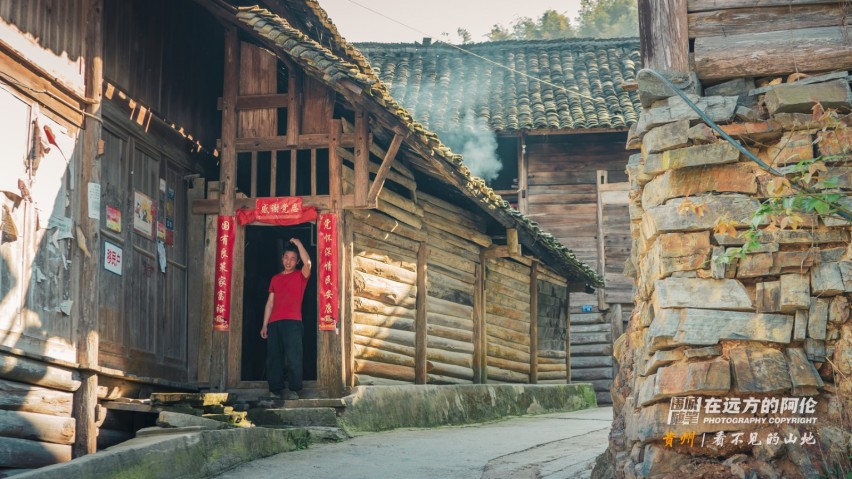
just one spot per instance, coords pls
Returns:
(227, 187)
(601, 179)
(346, 298)
(86, 397)
(568, 331)
(335, 165)
(534, 323)
(663, 35)
(478, 330)
(362, 159)
(482, 353)
(421, 335)
(512, 243)
(195, 280)
(208, 288)
(293, 105)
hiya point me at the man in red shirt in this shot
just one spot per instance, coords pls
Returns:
(282, 322)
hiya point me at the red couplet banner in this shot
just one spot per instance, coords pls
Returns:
(328, 261)
(225, 235)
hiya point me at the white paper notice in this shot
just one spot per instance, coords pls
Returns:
(95, 201)
(112, 258)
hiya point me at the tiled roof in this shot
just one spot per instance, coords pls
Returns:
(580, 85)
(321, 62)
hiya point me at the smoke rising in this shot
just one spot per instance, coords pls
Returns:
(478, 146)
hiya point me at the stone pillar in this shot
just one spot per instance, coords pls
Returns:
(707, 335)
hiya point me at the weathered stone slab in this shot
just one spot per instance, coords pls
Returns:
(795, 262)
(818, 318)
(702, 327)
(173, 419)
(802, 81)
(759, 370)
(701, 377)
(666, 218)
(675, 252)
(652, 89)
(798, 98)
(835, 220)
(794, 121)
(666, 137)
(701, 134)
(802, 371)
(800, 236)
(800, 326)
(736, 178)
(846, 275)
(756, 265)
(826, 279)
(795, 292)
(793, 147)
(718, 294)
(744, 113)
(768, 297)
(703, 353)
(815, 349)
(720, 109)
(720, 152)
(636, 170)
(735, 87)
(660, 359)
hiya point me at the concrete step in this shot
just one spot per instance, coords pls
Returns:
(293, 417)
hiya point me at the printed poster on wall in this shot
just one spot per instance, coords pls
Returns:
(143, 214)
(225, 235)
(112, 258)
(113, 219)
(327, 279)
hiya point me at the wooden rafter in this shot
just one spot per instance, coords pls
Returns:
(384, 169)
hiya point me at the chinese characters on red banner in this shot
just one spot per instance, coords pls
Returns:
(327, 244)
(224, 267)
(269, 210)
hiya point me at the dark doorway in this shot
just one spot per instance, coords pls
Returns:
(263, 249)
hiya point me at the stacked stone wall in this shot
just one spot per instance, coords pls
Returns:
(744, 368)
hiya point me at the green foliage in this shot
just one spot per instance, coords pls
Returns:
(464, 35)
(608, 18)
(597, 18)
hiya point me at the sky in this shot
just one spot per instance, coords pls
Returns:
(433, 18)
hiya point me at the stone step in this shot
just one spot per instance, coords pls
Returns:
(293, 417)
(324, 434)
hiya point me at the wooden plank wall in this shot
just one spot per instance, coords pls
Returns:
(740, 38)
(615, 238)
(507, 327)
(591, 352)
(552, 330)
(167, 55)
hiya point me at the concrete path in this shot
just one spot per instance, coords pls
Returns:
(551, 446)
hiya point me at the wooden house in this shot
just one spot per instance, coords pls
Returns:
(139, 131)
(560, 112)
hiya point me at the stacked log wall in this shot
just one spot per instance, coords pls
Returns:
(739, 38)
(451, 262)
(507, 305)
(770, 326)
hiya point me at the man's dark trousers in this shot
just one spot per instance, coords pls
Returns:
(285, 350)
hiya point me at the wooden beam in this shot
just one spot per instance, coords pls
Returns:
(512, 245)
(420, 326)
(211, 207)
(601, 178)
(261, 102)
(384, 169)
(362, 159)
(663, 35)
(88, 265)
(534, 323)
(764, 19)
(708, 5)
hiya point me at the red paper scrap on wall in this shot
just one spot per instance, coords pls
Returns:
(225, 235)
(328, 277)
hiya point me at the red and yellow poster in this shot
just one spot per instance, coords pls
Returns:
(327, 279)
(225, 235)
